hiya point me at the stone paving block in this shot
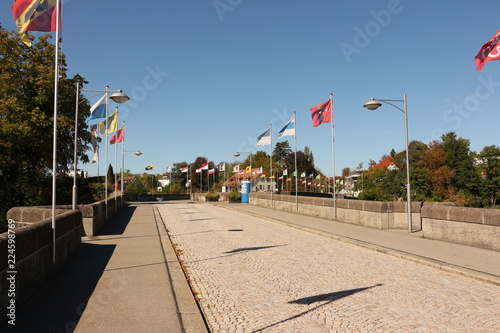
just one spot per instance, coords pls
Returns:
(267, 277)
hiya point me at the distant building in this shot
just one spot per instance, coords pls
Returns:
(259, 181)
(79, 173)
(352, 179)
(388, 163)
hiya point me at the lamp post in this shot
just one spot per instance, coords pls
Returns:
(137, 153)
(118, 97)
(374, 104)
(238, 153)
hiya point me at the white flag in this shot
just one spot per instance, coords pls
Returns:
(264, 139)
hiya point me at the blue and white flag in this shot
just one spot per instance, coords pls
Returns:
(98, 110)
(288, 129)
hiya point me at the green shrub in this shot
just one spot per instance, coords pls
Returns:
(234, 196)
(211, 196)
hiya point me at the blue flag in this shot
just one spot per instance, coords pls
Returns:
(98, 110)
(288, 129)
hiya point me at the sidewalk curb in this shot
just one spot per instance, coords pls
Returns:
(444, 266)
(190, 315)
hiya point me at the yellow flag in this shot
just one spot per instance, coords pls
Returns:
(248, 169)
(112, 124)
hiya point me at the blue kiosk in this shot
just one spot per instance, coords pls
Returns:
(246, 188)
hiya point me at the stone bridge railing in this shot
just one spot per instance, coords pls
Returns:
(441, 221)
(27, 249)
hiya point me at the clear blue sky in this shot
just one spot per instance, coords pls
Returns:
(207, 77)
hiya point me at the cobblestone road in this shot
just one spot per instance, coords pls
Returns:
(253, 275)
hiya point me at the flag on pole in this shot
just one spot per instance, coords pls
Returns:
(248, 169)
(117, 137)
(185, 169)
(489, 51)
(112, 124)
(198, 170)
(260, 170)
(98, 110)
(168, 169)
(94, 139)
(288, 129)
(303, 174)
(211, 171)
(222, 167)
(321, 113)
(204, 166)
(285, 172)
(236, 168)
(149, 167)
(264, 139)
(34, 15)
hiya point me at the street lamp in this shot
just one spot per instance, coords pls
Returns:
(237, 154)
(137, 153)
(118, 97)
(374, 104)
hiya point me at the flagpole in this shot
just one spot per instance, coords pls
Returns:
(295, 140)
(106, 157)
(116, 163)
(54, 151)
(333, 161)
(123, 157)
(271, 161)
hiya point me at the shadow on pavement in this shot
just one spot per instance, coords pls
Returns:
(327, 298)
(60, 302)
(246, 249)
(119, 223)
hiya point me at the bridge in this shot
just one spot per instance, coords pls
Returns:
(183, 266)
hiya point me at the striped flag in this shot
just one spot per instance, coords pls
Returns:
(34, 15)
(288, 129)
(264, 139)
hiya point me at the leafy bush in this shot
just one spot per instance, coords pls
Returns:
(234, 196)
(211, 196)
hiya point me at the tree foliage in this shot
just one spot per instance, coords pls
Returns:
(26, 122)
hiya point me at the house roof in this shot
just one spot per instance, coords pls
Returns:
(243, 175)
(387, 162)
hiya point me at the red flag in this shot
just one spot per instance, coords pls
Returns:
(204, 166)
(489, 51)
(117, 137)
(322, 113)
(34, 15)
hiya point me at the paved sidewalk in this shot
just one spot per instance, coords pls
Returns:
(252, 274)
(119, 281)
(465, 260)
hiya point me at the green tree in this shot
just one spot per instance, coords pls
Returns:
(111, 175)
(461, 159)
(280, 154)
(489, 163)
(26, 122)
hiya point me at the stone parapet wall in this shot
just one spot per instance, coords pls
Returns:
(441, 221)
(374, 214)
(33, 251)
(34, 246)
(470, 226)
